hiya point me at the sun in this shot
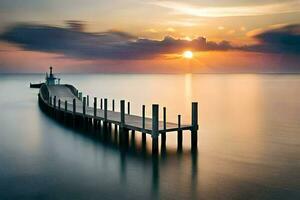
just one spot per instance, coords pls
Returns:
(188, 54)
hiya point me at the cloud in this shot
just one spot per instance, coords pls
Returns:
(279, 39)
(234, 11)
(118, 45)
(73, 42)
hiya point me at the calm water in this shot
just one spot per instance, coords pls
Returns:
(249, 141)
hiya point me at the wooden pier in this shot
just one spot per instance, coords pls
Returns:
(66, 103)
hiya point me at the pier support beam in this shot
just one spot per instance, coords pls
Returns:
(84, 123)
(122, 112)
(179, 135)
(74, 112)
(143, 126)
(195, 127)
(163, 135)
(128, 108)
(83, 106)
(105, 115)
(59, 111)
(54, 105)
(122, 122)
(87, 100)
(59, 104)
(155, 133)
(95, 113)
(65, 113)
(54, 101)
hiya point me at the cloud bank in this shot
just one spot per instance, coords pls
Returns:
(283, 40)
(72, 41)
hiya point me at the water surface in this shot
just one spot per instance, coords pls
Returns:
(249, 140)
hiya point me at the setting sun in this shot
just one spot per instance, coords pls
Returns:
(188, 54)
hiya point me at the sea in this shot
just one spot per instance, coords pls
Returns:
(248, 140)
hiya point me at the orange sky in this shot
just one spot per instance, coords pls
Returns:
(238, 22)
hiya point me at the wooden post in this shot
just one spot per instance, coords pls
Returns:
(113, 109)
(66, 106)
(155, 133)
(163, 135)
(54, 101)
(84, 123)
(95, 121)
(95, 106)
(101, 103)
(74, 112)
(59, 112)
(80, 95)
(83, 106)
(74, 106)
(113, 105)
(122, 120)
(87, 100)
(143, 125)
(65, 113)
(195, 127)
(179, 135)
(122, 111)
(105, 109)
(58, 104)
(128, 108)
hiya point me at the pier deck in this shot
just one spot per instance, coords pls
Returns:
(132, 122)
(67, 100)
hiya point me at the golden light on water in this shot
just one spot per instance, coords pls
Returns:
(188, 54)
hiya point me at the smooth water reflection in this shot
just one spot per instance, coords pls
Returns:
(248, 145)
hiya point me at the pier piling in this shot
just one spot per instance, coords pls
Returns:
(179, 135)
(122, 122)
(84, 120)
(84, 106)
(74, 112)
(54, 101)
(65, 113)
(163, 134)
(128, 108)
(143, 126)
(95, 121)
(95, 106)
(194, 130)
(113, 105)
(105, 113)
(58, 104)
(155, 133)
(122, 112)
(87, 100)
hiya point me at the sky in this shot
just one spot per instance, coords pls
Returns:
(150, 36)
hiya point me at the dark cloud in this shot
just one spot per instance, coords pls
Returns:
(74, 42)
(75, 25)
(283, 40)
